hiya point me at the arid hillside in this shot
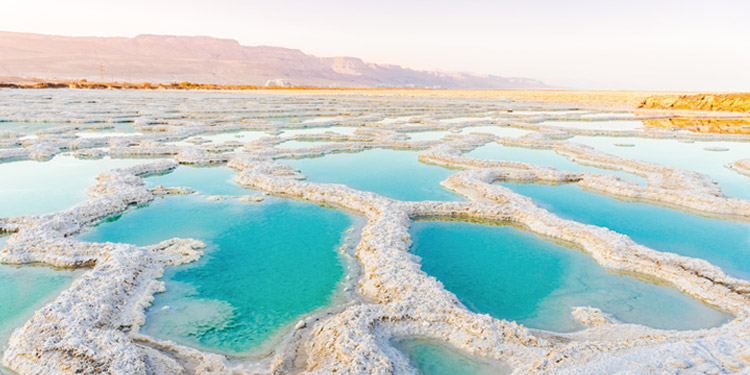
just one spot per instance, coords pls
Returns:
(163, 59)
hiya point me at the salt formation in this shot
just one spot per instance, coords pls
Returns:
(741, 167)
(93, 326)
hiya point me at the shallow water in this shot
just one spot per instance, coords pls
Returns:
(204, 180)
(33, 188)
(25, 289)
(723, 243)
(597, 125)
(500, 131)
(235, 136)
(464, 120)
(342, 130)
(494, 151)
(512, 274)
(99, 134)
(427, 135)
(435, 358)
(691, 156)
(394, 174)
(119, 128)
(27, 128)
(301, 144)
(266, 265)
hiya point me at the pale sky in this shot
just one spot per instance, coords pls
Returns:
(636, 44)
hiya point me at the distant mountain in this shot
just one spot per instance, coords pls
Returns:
(163, 58)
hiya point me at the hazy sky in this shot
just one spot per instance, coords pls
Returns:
(635, 44)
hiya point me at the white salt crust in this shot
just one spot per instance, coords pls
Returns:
(93, 326)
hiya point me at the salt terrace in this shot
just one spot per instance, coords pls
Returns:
(94, 325)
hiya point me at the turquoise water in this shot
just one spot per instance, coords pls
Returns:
(512, 274)
(27, 128)
(394, 174)
(205, 180)
(691, 156)
(266, 265)
(435, 358)
(723, 243)
(25, 289)
(494, 151)
(34, 188)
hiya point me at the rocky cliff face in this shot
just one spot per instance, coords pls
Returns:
(160, 58)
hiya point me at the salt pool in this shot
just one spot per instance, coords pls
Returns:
(204, 180)
(301, 144)
(596, 125)
(512, 274)
(394, 174)
(494, 151)
(266, 265)
(25, 289)
(341, 130)
(27, 128)
(435, 358)
(723, 243)
(686, 155)
(33, 188)
(500, 131)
